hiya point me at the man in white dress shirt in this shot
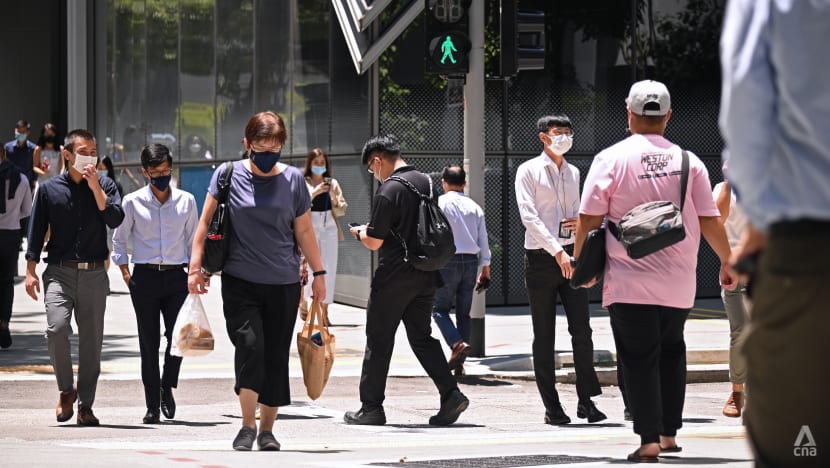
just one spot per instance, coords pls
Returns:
(459, 275)
(160, 220)
(547, 192)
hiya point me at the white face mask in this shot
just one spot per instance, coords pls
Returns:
(560, 144)
(81, 161)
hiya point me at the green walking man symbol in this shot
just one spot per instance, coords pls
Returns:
(447, 48)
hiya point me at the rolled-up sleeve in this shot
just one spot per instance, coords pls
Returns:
(122, 235)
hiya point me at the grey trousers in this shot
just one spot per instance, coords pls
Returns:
(736, 304)
(84, 292)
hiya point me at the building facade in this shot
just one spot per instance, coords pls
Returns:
(189, 73)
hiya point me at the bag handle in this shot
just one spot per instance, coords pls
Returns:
(684, 179)
(225, 183)
(315, 314)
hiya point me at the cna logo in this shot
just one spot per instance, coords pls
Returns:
(805, 444)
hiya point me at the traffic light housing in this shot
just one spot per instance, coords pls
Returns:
(446, 37)
(522, 39)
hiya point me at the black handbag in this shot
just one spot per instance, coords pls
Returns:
(591, 261)
(217, 241)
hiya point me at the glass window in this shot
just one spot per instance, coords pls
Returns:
(195, 114)
(234, 74)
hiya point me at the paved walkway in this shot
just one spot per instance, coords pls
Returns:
(507, 342)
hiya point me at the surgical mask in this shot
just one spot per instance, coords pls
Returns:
(266, 160)
(195, 148)
(560, 144)
(20, 136)
(103, 172)
(161, 182)
(318, 170)
(81, 161)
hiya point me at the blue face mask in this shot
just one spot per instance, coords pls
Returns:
(162, 182)
(20, 136)
(318, 170)
(266, 160)
(103, 172)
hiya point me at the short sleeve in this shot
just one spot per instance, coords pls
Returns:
(701, 191)
(383, 214)
(302, 199)
(213, 187)
(599, 184)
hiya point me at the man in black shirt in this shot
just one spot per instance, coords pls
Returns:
(399, 291)
(78, 206)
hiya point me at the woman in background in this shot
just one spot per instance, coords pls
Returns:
(15, 203)
(327, 204)
(106, 169)
(48, 152)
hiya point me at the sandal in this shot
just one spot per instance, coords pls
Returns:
(673, 449)
(637, 458)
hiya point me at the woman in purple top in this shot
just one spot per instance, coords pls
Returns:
(269, 208)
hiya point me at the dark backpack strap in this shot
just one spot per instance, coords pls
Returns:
(413, 188)
(225, 182)
(684, 179)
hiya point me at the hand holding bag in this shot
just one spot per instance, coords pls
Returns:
(316, 348)
(192, 335)
(219, 230)
(591, 261)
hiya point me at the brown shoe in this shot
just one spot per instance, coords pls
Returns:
(732, 408)
(459, 354)
(64, 410)
(86, 417)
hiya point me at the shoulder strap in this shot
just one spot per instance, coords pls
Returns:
(684, 179)
(225, 182)
(412, 186)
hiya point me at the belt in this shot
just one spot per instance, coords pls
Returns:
(157, 267)
(81, 265)
(466, 255)
(802, 227)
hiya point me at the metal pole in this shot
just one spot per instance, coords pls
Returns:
(474, 149)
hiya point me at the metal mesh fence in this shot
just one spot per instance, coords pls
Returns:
(433, 137)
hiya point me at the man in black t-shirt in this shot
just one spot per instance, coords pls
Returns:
(400, 293)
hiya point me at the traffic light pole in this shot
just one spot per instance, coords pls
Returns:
(474, 149)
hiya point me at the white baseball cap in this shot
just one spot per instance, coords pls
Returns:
(649, 97)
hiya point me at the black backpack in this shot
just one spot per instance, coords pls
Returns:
(434, 242)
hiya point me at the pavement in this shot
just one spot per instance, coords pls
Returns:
(504, 419)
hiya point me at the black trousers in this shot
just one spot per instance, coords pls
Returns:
(9, 242)
(260, 321)
(407, 298)
(652, 351)
(544, 280)
(155, 292)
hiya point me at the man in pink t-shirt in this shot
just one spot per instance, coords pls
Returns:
(649, 298)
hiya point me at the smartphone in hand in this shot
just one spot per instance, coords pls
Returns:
(482, 285)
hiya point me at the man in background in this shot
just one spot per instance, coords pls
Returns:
(459, 275)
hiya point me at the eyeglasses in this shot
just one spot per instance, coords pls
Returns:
(154, 174)
(554, 132)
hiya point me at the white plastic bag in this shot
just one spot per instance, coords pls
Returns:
(191, 333)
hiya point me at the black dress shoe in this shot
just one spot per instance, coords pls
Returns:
(451, 409)
(168, 404)
(366, 417)
(588, 410)
(557, 416)
(152, 416)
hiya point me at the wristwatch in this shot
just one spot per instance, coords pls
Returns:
(573, 262)
(318, 273)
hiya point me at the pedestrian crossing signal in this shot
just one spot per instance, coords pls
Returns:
(446, 32)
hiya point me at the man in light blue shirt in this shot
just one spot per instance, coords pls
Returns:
(775, 117)
(160, 220)
(459, 275)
